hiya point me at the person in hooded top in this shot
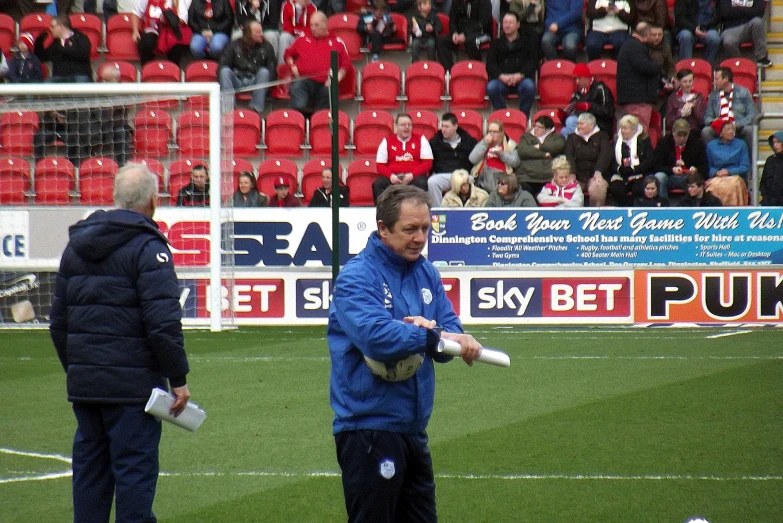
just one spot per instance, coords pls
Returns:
(772, 176)
(463, 192)
(563, 190)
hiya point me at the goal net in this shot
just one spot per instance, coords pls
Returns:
(61, 146)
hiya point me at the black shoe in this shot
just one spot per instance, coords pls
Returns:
(764, 62)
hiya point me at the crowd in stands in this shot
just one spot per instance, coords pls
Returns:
(615, 151)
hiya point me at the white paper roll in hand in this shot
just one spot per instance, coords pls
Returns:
(491, 356)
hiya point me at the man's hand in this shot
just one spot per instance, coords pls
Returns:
(295, 71)
(135, 36)
(471, 349)
(420, 321)
(677, 169)
(553, 28)
(183, 395)
(723, 173)
(458, 38)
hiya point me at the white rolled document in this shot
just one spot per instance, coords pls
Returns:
(159, 405)
(491, 356)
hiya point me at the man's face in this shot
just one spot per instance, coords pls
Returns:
(56, 29)
(695, 190)
(448, 129)
(326, 178)
(425, 8)
(318, 26)
(409, 235)
(404, 128)
(539, 129)
(655, 37)
(651, 190)
(686, 83)
(199, 177)
(720, 82)
(777, 145)
(256, 33)
(282, 192)
(680, 138)
(510, 26)
(583, 82)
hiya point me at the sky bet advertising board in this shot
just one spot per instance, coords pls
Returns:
(607, 237)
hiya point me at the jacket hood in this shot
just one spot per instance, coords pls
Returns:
(778, 135)
(103, 232)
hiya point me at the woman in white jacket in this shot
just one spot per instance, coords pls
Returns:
(563, 190)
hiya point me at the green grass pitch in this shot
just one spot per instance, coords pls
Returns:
(587, 425)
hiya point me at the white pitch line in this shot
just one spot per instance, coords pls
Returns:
(42, 477)
(726, 334)
(56, 457)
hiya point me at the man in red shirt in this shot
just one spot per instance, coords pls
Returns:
(403, 158)
(309, 60)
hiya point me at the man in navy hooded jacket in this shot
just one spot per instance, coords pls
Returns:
(115, 321)
(386, 305)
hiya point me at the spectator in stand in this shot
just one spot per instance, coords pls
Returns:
(563, 190)
(562, 24)
(295, 18)
(282, 198)
(590, 153)
(697, 195)
(404, 158)
(322, 197)
(638, 76)
(425, 28)
(463, 192)
(530, 12)
(112, 136)
(69, 52)
(633, 159)
(24, 66)
(729, 101)
(729, 165)
(685, 103)
(652, 194)
(772, 177)
(160, 27)
(451, 147)
(655, 12)
(196, 193)
(309, 56)
(494, 155)
(591, 96)
(512, 62)
(71, 127)
(679, 154)
(661, 52)
(508, 193)
(247, 193)
(212, 22)
(608, 23)
(266, 13)
(378, 28)
(693, 23)
(743, 21)
(246, 62)
(470, 22)
(536, 149)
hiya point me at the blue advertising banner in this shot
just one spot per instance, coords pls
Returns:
(606, 237)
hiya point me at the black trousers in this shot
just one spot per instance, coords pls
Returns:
(387, 477)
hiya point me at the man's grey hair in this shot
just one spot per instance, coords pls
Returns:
(134, 187)
(387, 208)
(643, 29)
(587, 118)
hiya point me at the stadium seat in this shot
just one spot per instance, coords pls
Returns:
(200, 71)
(158, 71)
(153, 131)
(401, 33)
(193, 134)
(553, 114)
(247, 133)
(344, 26)
(119, 41)
(96, 181)
(446, 23)
(17, 130)
(361, 174)
(514, 122)
(425, 122)
(128, 71)
(274, 168)
(471, 121)
(179, 175)
(745, 73)
(656, 128)
(321, 135)
(285, 132)
(425, 85)
(355, 6)
(369, 129)
(605, 70)
(556, 84)
(14, 181)
(156, 167)
(35, 24)
(468, 85)
(236, 167)
(311, 177)
(702, 74)
(381, 85)
(7, 33)
(92, 27)
(54, 178)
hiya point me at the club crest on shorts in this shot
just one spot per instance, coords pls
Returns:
(387, 469)
(426, 295)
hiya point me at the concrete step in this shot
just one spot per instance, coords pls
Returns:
(774, 38)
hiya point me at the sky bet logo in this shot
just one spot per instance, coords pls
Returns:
(313, 298)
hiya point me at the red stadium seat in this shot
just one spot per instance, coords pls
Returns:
(14, 181)
(92, 27)
(425, 122)
(355, 6)
(54, 178)
(119, 41)
(514, 122)
(321, 134)
(425, 85)
(193, 134)
(284, 133)
(158, 71)
(556, 84)
(361, 174)
(468, 85)
(445, 22)
(606, 71)
(96, 181)
(236, 167)
(128, 71)
(344, 26)
(472, 122)
(153, 131)
(401, 33)
(179, 174)
(7, 33)
(274, 168)
(156, 167)
(247, 133)
(745, 73)
(381, 85)
(551, 113)
(35, 24)
(17, 130)
(369, 129)
(702, 74)
(311, 177)
(200, 71)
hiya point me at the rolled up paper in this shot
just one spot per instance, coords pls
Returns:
(491, 356)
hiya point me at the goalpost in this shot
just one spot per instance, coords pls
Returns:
(60, 145)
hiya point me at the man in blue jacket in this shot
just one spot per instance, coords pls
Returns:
(388, 304)
(562, 25)
(115, 321)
